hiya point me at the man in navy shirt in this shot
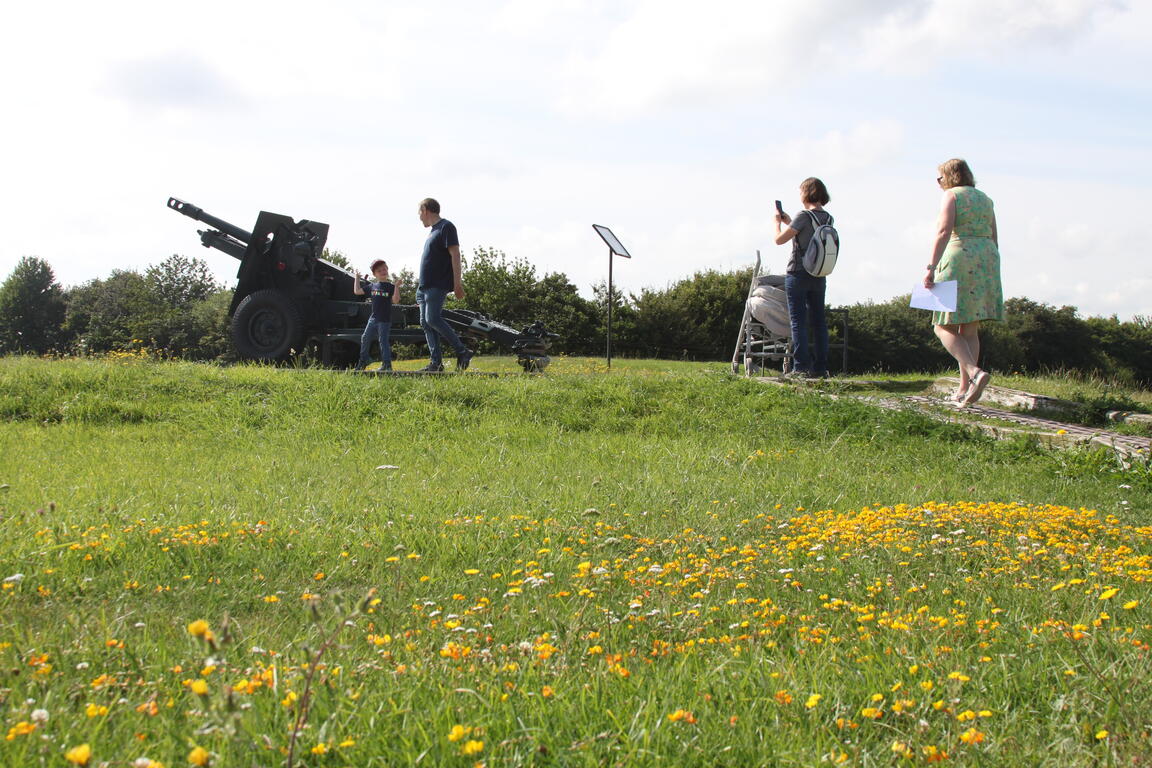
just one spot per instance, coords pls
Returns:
(379, 327)
(439, 274)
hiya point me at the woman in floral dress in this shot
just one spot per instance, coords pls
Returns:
(966, 250)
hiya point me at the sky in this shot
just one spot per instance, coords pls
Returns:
(677, 124)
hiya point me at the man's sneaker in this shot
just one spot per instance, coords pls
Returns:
(463, 359)
(432, 368)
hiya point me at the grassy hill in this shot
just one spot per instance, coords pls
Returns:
(658, 565)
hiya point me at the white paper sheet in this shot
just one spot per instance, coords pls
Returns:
(941, 297)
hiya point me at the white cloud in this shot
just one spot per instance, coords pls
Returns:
(925, 34)
(351, 113)
(868, 144)
(667, 54)
(172, 80)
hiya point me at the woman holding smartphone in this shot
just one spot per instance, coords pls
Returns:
(805, 292)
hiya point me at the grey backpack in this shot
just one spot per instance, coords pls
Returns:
(820, 258)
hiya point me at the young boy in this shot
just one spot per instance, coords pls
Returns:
(383, 293)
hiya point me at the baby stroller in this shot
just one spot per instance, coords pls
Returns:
(765, 339)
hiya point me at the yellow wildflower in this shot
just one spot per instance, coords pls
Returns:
(933, 754)
(79, 755)
(459, 732)
(22, 728)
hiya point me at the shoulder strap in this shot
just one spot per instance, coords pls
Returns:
(816, 220)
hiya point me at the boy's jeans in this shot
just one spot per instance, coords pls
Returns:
(381, 331)
(806, 309)
(431, 303)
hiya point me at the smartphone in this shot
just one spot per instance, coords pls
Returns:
(779, 208)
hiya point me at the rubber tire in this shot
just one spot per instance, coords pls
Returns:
(345, 354)
(267, 326)
(535, 364)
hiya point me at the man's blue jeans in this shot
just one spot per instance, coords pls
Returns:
(806, 310)
(377, 330)
(431, 303)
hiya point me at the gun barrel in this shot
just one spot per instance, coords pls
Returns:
(197, 213)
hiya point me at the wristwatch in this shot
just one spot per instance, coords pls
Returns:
(931, 266)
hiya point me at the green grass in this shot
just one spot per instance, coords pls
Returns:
(560, 563)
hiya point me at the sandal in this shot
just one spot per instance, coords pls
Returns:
(976, 390)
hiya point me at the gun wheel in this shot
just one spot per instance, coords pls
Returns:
(267, 326)
(535, 364)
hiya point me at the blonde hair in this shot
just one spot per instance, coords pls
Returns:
(956, 173)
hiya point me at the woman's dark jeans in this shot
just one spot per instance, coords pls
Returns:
(806, 310)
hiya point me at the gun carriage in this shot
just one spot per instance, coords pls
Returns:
(288, 298)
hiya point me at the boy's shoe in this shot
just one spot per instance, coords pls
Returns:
(463, 359)
(432, 368)
(385, 367)
(360, 366)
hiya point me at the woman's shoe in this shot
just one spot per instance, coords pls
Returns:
(976, 389)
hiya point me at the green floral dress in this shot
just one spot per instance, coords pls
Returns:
(973, 260)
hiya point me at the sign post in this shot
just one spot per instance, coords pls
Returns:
(615, 248)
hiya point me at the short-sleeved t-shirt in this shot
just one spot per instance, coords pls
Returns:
(802, 223)
(436, 263)
(381, 293)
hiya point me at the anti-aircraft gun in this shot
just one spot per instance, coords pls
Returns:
(288, 298)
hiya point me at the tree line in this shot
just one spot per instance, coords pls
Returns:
(176, 307)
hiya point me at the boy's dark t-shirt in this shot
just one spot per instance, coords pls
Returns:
(436, 263)
(381, 294)
(802, 223)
